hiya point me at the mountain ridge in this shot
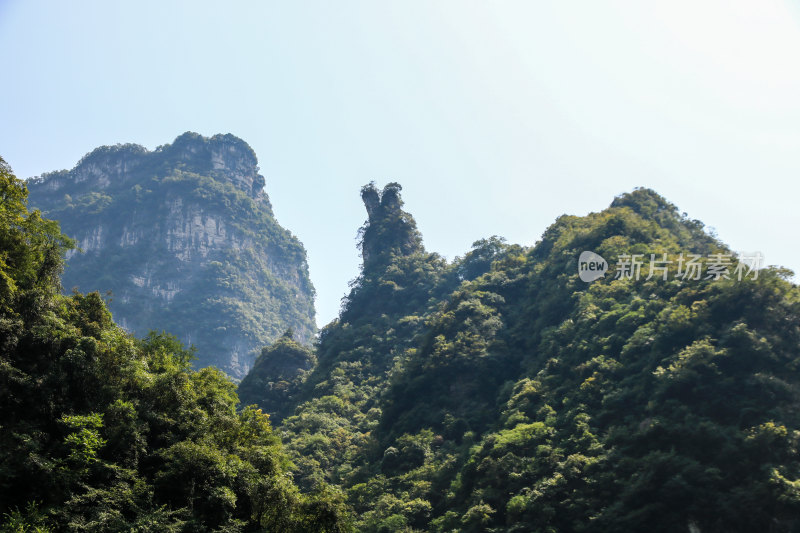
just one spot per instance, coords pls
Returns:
(226, 153)
(185, 238)
(500, 392)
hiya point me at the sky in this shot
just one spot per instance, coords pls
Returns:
(496, 117)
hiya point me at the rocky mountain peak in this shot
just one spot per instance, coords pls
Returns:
(225, 157)
(388, 231)
(185, 238)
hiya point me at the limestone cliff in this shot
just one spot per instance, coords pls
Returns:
(185, 239)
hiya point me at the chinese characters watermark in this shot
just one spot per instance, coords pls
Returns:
(715, 267)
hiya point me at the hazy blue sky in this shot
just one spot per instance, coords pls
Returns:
(496, 117)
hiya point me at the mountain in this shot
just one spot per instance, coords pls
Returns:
(102, 431)
(277, 375)
(505, 391)
(185, 239)
(501, 392)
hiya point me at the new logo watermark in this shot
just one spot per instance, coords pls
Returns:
(717, 266)
(591, 266)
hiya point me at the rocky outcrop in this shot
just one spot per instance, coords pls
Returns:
(185, 239)
(389, 231)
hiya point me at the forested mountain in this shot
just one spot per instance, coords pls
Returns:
(101, 432)
(497, 392)
(185, 239)
(500, 392)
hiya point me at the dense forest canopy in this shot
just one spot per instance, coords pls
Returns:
(498, 392)
(100, 431)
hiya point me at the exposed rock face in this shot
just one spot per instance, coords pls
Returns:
(184, 237)
(389, 231)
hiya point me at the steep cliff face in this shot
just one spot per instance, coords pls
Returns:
(185, 238)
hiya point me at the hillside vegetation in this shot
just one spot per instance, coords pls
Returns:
(500, 392)
(103, 432)
(495, 393)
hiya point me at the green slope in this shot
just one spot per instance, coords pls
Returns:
(102, 432)
(502, 393)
